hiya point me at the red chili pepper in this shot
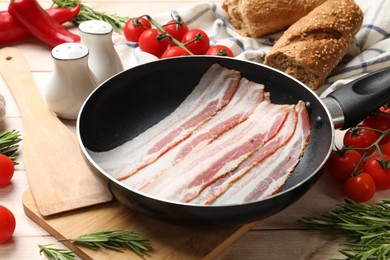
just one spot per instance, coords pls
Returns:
(10, 30)
(34, 18)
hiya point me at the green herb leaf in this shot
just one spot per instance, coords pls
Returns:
(365, 226)
(9, 144)
(87, 13)
(115, 240)
(52, 253)
(107, 240)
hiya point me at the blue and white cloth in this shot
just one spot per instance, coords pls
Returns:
(369, 52)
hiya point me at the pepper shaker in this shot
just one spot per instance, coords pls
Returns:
(104, 61)
(71, 82)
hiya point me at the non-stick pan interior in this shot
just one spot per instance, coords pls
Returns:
(136, 99)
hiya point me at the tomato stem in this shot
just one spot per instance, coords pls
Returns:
(198, 38)
(355, 130)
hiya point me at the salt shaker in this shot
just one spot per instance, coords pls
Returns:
(71, 82)
(104, 61)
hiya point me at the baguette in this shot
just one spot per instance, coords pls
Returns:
(313, 46)
(255, 18)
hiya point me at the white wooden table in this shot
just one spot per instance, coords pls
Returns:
(278, 237)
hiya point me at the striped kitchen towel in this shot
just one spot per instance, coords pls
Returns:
(369, 52)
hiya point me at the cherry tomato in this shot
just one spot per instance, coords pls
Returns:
(380, 173)
(220, 50)
(360, 138)
(153, 42)
(341, 165)
(176, 29)
(360, 188)
(174, 51)
(134, 27)
(386, 148)
(7, 169)
(196, 41)
(7, 224)
(379, 121)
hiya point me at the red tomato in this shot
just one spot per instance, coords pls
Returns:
(196, 41)
(340, 166)
(176, 29)
(380, 173)
(386, 148)
(174, 51)
(220, 50)
(360, 138)
(379, 121)
(7, 224)
(360, 188)
(153, 42)
(7, 169)
(134, 27)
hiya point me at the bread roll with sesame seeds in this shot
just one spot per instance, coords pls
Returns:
(255, 18)
(312, 47)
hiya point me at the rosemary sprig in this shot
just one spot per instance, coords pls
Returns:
(52, 253)
(365, 226)
(9, 144)
(87, 13)
(116, 240)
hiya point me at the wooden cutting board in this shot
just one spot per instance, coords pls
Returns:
(58, 175)
(169, 240)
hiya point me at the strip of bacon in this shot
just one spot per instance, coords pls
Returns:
(213, 191)
(243, 103)
(214, 91)
(269, 177)
(190, 176)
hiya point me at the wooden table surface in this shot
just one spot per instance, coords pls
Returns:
(278, 237)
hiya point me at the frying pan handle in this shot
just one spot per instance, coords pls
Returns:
(350, 104)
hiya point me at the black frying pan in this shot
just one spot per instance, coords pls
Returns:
(134, 100)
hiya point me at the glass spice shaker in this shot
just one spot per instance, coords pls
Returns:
(71, 82)
(104, 61)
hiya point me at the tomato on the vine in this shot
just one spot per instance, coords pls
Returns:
(7, 224)
(379, 121)
(174, 51)
(360, 188)
(220, 50)
(196, 41)
(360, 138)
(153, 42)
(379, 172)
(7, 169)
(341, 165)
(134, 27)
(176, 29)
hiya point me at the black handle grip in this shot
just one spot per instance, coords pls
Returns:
(361, 97)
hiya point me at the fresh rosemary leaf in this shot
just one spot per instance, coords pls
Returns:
(9, 144)
(52, 253)
(365, 226)
(87, 13)
(107, 240)
(114, 240)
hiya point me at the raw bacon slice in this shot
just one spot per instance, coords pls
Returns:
(212, 192)
(213, 93)
(243, 103)
(269, 177)
(190, 176)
